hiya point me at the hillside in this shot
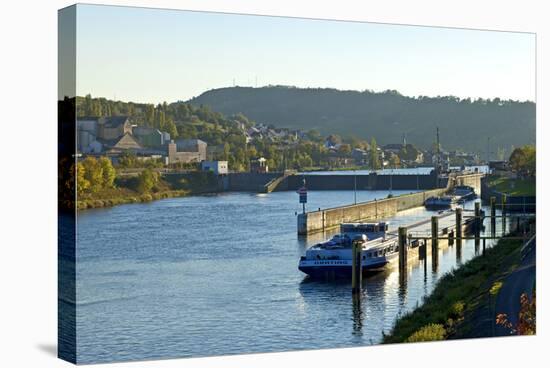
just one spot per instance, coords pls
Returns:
(464, 124)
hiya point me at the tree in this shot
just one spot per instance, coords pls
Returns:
(93, 173)
(374, 161)
(395, 162)
(171, 128)
(108, 172)
(147, 179)
(149, 115)
(523, 160)
(345, 149)
(82, 184)
(334, 139)
(313, 135)
(87, 105)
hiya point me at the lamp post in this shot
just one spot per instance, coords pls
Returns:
(391, 183)
(354, 186)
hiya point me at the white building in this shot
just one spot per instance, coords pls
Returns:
(218, 167)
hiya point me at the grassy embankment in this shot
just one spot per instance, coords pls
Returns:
(126, 190)
(513, 186)
(448, 312)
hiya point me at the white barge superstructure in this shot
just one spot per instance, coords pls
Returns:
(334, 256)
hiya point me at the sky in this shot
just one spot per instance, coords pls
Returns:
(153, 55)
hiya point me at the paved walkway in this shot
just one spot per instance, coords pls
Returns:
(518, 282)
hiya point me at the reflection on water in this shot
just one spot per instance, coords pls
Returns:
(213, 275)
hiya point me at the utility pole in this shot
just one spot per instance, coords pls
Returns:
(438, 151)
(488, 149)
(437, 157)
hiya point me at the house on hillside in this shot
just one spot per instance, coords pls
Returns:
(150, 137)
(360, 156)
(393, 147)
(186, 151)
(113, 127)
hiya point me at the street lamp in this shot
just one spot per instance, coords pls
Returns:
(354, 186)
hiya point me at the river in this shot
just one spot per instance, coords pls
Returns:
(217, 274)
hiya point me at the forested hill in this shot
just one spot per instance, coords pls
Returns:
(464, 124)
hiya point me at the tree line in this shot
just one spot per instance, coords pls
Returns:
(226, 137)
(464, 123)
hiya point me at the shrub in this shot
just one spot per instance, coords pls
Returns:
(146, 197)
(457, 309)
(431, 332)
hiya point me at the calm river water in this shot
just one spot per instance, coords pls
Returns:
(213, 275)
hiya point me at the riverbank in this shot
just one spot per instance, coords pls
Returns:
(512, 186)
(462, 299)
(127, 190)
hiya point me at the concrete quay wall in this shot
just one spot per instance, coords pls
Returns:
(364, 182)
(312, 222)
(248, 182)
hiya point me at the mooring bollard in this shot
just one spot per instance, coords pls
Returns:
(402, 241)
(493, 216)
(435, 242)
(356, 271)
(458, 227)
(422, 250)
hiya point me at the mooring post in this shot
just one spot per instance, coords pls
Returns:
(477, 225)
(458, 227)
(422, 249)
(356, 271)
(435, 242)
(483, 246)
(493, 216)
(503, 213)
(402, 231)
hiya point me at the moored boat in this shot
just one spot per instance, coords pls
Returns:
(439, 203)
(334, 257)
(464, 193)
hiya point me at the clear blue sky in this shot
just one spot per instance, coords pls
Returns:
(149, 55)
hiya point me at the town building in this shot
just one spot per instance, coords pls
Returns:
(217, 167)
(125, 143)
(259, 165)
(113, 127)
(186, 151)
(360, 156)
(150, 137)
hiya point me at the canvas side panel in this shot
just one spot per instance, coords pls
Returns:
(66, 129)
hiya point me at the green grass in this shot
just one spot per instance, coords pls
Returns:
(431, 332)
(513, 186)
(456, 292)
